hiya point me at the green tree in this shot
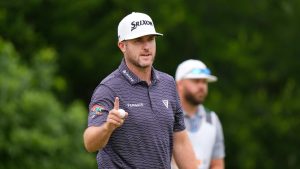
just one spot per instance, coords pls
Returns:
(36, 129)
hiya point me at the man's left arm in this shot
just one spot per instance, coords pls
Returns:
(217, 164)
(218, 154)
(183, 152)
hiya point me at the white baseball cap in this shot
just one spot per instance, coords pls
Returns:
(136, 25)
(193, 69)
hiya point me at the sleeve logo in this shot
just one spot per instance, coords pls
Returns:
(96, 110)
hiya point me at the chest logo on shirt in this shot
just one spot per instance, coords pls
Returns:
(166, 103)
(135, 104)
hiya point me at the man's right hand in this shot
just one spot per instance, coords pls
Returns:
(96, 137)
(114, 120)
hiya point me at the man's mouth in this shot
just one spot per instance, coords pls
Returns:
(146, 54)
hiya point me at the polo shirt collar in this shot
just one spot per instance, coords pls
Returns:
(199, 114)
(132, 78)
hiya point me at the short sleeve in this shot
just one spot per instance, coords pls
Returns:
(178, 114)
(101, 103)
(219, 147)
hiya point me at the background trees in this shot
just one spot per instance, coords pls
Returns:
(37, 131)
(54, 53)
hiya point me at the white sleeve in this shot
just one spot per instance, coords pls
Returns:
(219, 147)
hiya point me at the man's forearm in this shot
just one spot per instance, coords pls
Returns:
(217, 164)
(183, 152)
(95, 138)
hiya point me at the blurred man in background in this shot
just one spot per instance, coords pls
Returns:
(203, 125)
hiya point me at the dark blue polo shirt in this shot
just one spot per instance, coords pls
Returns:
(145, 140)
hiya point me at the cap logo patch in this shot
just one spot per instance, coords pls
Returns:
(135, 24)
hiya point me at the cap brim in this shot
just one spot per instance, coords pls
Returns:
(140, 35)
(209, 78)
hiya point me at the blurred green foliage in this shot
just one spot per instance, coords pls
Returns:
(37, 131)
(58, 51)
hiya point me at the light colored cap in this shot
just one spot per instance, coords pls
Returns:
(136, 25)
(193, 69)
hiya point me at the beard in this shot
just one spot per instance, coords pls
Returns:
(139, 63)
(193, 99)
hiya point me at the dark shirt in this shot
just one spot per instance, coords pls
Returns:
(145, 140)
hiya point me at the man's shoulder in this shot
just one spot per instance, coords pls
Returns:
(111, 82)
(112, 78)
(208, 110)
(164, 76)
(211, 116)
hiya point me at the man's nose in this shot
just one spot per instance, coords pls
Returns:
(146, 45)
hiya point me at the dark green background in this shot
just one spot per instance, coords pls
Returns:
(53, 53)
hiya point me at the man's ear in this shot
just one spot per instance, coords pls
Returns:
(179, 85)
(122, 46)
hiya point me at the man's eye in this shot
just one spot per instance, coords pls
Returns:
(135, 40)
